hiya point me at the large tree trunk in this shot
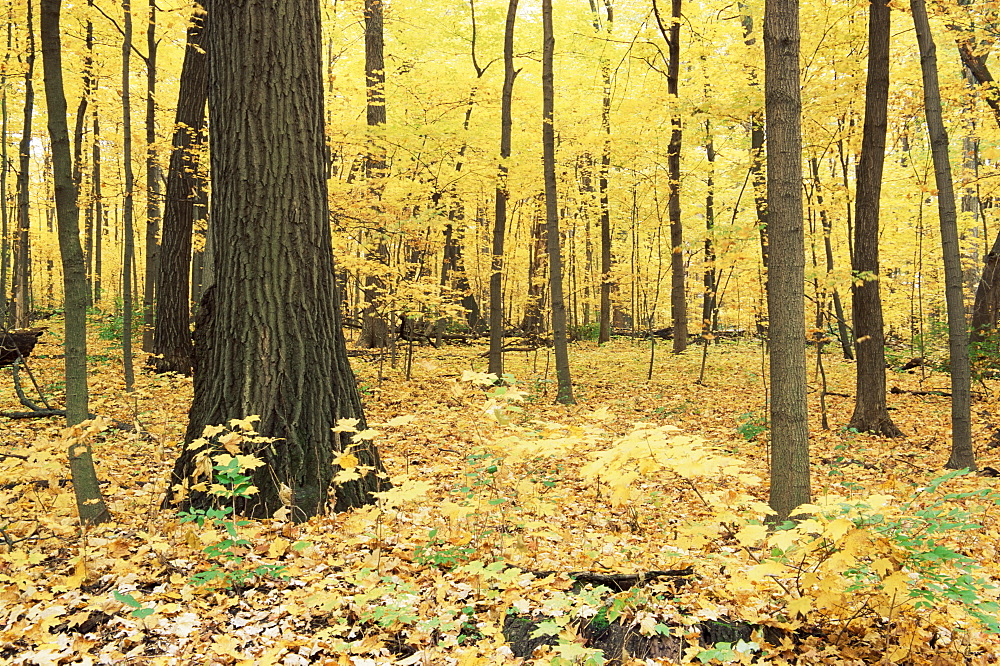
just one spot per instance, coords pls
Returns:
(172, 347)
(962, 454)
(564, 392)
(870, 414)
(786, 279)
(89, 502)
(269, 340)
(500, 223)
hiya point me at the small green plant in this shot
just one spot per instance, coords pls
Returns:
(137, 610)
(231, 481)
(110, 325)
(751, 424)
(589, 332)
(984, 357)
(896, 561)
(438, 553)
(727, 653)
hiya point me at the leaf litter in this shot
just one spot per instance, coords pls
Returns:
(498, 496)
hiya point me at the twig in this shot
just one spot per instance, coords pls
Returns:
(34, 383)
(13, 455)
(20, 391)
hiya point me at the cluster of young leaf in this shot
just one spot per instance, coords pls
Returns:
(879, 561)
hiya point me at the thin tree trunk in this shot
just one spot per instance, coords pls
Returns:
(533, 322)
(846, 342)
(172, 346)
(790, 485)
(90, 503)
(564, 394)
(452, 261)
(78, 146)
(870, 413)
(99, 213)
(22, 244)
(127, 214)
(4, 170)
(757, 175)
(962, 455)
(607, 262)
(500, 223)
(150, 291)
(678, 292)
(986, 309)
(709, 300)
(375, 325)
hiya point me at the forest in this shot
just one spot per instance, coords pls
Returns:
(499, 332)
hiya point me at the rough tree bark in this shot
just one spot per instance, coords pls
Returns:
(870, 413)
(785, 285)
(269, 341)
(172, 346)
(962, 455)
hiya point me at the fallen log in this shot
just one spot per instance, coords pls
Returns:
(34, 414)
(941, 393)
(18, 344)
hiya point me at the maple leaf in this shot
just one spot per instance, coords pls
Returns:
(346, 425)
(800, 606)
(400, 420)
(244, 424)
(750, 535)
(346, 460)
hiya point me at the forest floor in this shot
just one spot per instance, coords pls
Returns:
(497, 498)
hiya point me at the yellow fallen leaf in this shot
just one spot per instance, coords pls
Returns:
(751, 535)
(278, 547)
